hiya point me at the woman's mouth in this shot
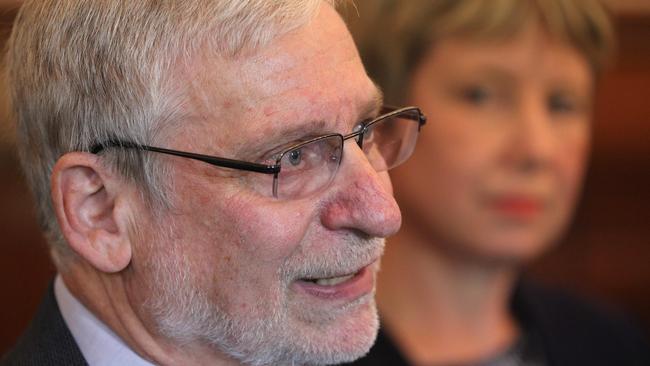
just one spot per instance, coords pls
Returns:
(518, 207)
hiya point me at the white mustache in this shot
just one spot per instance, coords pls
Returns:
(346, 257)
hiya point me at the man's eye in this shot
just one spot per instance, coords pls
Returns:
(295, 157)
(281, 150)
(367, 134)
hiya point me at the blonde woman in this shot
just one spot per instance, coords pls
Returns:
(507, 86)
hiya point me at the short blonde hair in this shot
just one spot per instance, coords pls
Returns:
(393, 35)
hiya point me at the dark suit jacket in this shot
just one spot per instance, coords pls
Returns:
(568, 332)
(47, 340)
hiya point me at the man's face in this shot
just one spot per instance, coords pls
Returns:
(238, 268)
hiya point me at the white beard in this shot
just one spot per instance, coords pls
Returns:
(185, 314)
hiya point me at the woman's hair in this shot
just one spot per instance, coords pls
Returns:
(394, 35)
(83, 72)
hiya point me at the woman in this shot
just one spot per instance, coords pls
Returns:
(507, 86)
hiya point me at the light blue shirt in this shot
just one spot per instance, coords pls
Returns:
(98, 344)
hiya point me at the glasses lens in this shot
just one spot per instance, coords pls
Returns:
(308, 167)
(390, 141)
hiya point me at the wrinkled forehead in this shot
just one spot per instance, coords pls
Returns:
(312, 74)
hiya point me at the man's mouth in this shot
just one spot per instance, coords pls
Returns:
(345, 287)
(331, 281)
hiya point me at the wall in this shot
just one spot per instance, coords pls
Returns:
(606, 255)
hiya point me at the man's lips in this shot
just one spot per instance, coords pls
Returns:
(346, 287)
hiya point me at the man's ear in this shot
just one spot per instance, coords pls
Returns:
(91, 207)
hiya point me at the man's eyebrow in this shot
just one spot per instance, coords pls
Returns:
(371, 108)
(368, 109)
(277, 137)
(299, 131)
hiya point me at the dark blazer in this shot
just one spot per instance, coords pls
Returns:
(47, 340)
(567, 331)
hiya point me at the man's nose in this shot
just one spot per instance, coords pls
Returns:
(362, 199)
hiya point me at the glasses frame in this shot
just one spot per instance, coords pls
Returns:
(387, 112)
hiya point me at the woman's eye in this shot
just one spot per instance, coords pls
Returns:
(561, 103)
(475, 94)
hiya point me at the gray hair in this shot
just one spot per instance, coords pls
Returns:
(81, 72)
(394, 35)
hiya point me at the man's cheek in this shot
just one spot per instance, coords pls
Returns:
(269, 232)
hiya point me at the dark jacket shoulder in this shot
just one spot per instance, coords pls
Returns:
(577, 332)
(567, 330)
(46, 341)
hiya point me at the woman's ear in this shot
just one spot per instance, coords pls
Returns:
(89, 202)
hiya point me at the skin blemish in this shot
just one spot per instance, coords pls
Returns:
(269, 111)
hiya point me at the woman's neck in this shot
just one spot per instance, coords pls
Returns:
(440, 308)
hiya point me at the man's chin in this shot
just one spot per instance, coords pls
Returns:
(344, 337)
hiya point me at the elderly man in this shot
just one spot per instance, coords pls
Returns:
(211, 178)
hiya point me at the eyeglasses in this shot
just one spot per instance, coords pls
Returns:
(306, 167)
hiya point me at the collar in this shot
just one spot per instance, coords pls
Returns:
(98, 344)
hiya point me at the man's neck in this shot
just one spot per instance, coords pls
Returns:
(440, 308)
(97, 342)
(104, 297)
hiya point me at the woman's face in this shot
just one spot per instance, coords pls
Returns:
(500, 162)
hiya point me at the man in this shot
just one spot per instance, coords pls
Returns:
(189, 164)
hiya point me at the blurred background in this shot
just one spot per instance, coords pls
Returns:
(605, 256)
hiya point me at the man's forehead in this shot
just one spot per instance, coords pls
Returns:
(294, 60)
(310, 74)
